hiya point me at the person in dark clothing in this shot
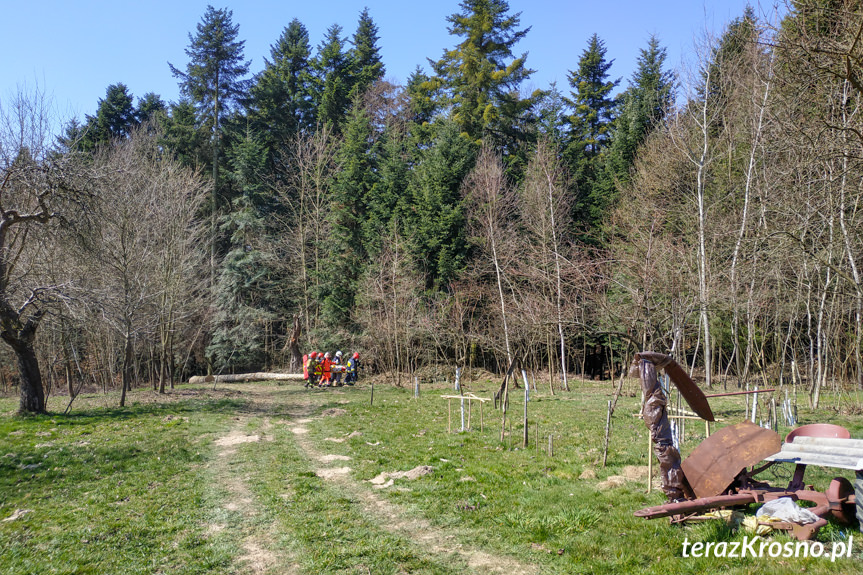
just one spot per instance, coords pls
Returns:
(352, 369)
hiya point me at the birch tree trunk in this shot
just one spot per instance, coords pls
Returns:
(491, 208)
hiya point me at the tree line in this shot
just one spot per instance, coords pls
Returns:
(710, 212)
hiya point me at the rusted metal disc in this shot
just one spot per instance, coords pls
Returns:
(818, 430)
(688, 389)
(838, 491)
(712, 466)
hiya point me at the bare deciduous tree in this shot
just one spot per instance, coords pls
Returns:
(145, 250)
(491, 206)
(545, 212)
(39, 191)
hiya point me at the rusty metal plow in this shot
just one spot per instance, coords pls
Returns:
(717, 473)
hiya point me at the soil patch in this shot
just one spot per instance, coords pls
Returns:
(332, 473)
(236, 437)
(612, 481)
(345, 438)
(331, 458)
(414, 473)
(258, 559)
(635, 472)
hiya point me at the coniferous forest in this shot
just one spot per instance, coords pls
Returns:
(712, 212)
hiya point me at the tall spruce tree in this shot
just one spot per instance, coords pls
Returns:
(367, 66)
(280, 102)
(350, 187)
(214, 83)
(187, 143)
(644, 105)
(646, 101)
(481, 77)
(423, 104)
(115, 118)
(247, 284)
(437, 220)
(593, 111)
(150, 108)
(213, 79)
(331, 79)
(387, 200)
(739, 34)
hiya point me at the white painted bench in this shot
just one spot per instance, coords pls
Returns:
(837, 452)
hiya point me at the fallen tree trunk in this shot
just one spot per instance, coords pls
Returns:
(238, 377)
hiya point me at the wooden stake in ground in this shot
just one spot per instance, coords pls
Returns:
(607, 431)
(505, 383)
(449, 416)
(611, 412)
(536, 434)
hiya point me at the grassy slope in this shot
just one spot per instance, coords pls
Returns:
(147, 490)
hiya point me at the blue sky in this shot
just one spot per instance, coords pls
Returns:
(75, 49)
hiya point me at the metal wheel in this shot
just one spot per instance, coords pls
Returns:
(841, 488)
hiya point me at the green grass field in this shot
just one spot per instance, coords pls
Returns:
(266, 478)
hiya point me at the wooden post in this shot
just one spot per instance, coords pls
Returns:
(774, 423)
(607, 432)
(682, 421)
(449, 416)
(755, 404)
(537, 438)
(372, 398)
(480, 416)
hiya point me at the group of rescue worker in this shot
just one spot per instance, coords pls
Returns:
(326, 370)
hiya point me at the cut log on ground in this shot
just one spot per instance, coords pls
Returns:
(239, 377)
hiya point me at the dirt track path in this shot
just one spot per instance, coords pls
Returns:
(262, 555)
(394, 518)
